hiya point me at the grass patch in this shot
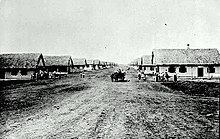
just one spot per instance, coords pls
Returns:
(21, 99)
(196, 88)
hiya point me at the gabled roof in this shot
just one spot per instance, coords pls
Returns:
(162, 56)
(21, 60)
(146, 59)
(79, 61)
(89, 62)
(58, 60)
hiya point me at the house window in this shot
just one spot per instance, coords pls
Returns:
(182, 69)
(171, 69)
(151, 68)
(211, 69)
(24, 72)
(14, 71)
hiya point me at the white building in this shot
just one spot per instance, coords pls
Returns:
(193, 63)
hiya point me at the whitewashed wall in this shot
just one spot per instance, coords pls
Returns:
(192, 71)
(18, 76)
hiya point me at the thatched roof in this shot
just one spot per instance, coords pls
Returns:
(21, 60)
(89, 62)
(79, 61)
(146, 59)
(187, 56)
(58, 60)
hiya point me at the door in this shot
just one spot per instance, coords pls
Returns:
(200, 72)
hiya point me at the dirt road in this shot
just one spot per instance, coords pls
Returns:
(95, 107)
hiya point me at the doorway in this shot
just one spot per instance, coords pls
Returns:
(2, 74)
(200, 72)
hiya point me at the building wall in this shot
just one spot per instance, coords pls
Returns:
(18, 76)
(81, 67)
(147, 69)
(192, 71)
(89, 67)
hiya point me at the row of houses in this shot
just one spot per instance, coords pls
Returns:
(24, 65)
(192, 63)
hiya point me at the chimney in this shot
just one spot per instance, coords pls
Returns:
(152, 58)
(141, 60)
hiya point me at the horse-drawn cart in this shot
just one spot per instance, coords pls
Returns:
(118, 76)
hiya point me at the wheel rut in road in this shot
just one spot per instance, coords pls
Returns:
(106, 109)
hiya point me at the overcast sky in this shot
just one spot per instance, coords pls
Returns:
(112, 30)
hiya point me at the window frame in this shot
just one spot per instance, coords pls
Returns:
(170, 69)
(210, 69)
(24, 71)
(181, 69)
(14, 72)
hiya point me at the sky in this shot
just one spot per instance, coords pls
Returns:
(110, 30)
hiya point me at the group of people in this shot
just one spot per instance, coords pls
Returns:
(163, 76)
(119, 71)
(44, 75)
(142, 75)
(159, 76)
(39, 75)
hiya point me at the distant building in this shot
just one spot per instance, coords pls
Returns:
(136, 63)
(193, 63)
(96, 64)
(89, 65)
(62, 64)
(109, 64)
(103, 65)
(79, 64)
(20, 66)
(146, 63)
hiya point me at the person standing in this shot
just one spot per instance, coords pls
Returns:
(157, 76)
(175, 77)
(166, 76)
(139, 74)
(145, 74)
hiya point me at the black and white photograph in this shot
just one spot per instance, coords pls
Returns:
(109, 69)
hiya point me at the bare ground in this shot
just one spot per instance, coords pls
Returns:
(95, 107)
